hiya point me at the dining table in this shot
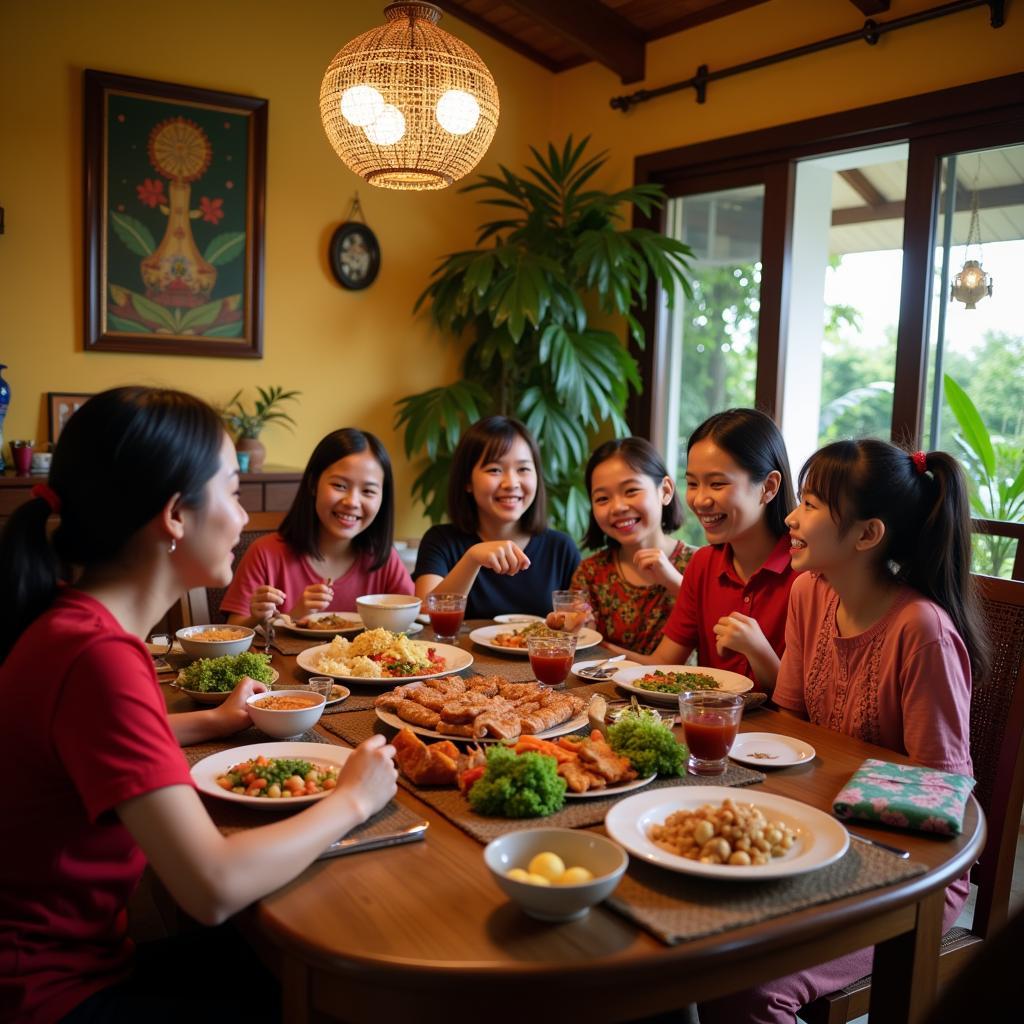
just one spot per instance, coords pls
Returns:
(421, 931)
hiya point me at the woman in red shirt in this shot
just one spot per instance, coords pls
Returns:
(145, 484)
(732, 604)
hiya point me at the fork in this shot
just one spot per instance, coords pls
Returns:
(268, 634)
(600, 670)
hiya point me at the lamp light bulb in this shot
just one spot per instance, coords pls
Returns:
(387, 128)
(458, 112)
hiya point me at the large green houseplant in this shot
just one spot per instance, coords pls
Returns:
(523, 300)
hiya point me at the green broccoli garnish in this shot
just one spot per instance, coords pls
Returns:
(649, 744)
(518, 785)
(220, 675)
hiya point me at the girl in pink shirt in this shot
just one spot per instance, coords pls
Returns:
(334, 545)
(882, 640)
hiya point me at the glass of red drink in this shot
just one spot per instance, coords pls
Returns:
(710, 723)
(551, 657)
(446, 613)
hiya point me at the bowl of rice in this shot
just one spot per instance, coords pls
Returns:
(378, 654)
(215, 641)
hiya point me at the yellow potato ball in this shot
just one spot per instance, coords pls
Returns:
(518, 875)
(549, 865)
(535, 879)
(575, 876)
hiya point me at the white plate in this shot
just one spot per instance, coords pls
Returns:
(206, 771)
(821, 840)
(517, 618)
(456, 659)
(484, 636)
(624, 787)
(213, 696)
(571, 725)
(779, 751)
(285, 623)
(729, 682)
(580, 667)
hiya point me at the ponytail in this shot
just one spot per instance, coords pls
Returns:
(923, 501)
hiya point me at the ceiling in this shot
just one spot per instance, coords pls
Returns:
(562, 34)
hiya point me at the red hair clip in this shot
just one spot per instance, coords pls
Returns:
(48, 494)
(920, 460)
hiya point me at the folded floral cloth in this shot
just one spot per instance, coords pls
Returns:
(905, 796)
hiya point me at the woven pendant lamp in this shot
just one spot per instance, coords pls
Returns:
(407, 105)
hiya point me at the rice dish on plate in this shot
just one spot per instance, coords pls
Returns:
(379, 654)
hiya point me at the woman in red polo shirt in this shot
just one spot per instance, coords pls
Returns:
(145, 485)
(732, 604)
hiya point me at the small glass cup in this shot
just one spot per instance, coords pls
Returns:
(446, 613)
(21, 456)
(321, 684)
(710, 723)
(551, 657)
(575, 602)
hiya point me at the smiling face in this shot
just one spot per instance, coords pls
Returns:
(722, 495)
(818, 544)
(348, 496)
(504, 488)
(628, 504)
(212, 531)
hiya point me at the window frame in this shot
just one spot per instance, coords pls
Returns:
(976, 116)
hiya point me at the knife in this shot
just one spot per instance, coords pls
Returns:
(356, 844)
(902, 854)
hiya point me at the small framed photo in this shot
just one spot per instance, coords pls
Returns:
(59, 407)
(354, 255)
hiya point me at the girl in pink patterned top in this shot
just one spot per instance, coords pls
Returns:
(635, 577)
(882, 640)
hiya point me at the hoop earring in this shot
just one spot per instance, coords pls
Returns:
(172, 547)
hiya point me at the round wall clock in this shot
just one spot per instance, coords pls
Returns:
(354, 255)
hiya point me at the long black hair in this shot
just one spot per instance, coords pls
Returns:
(642, 457)
(755, 444)
(486, 440)
(925, 507)
(301, 527)
(119, 459)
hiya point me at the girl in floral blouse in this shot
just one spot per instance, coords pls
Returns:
(633, 580)
(882, 641)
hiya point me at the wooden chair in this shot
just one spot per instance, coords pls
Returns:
(1012, 531)
(201, 605)
(997, 750)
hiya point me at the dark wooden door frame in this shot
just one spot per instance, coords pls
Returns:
(974, 116)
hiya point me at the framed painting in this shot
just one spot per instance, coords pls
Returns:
(59, 407)
(174, 217)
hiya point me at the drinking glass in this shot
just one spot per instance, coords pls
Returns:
(21, 456)
(321, 684)
(574, 601)
(710, 723)
(446, 613)
(551, 657)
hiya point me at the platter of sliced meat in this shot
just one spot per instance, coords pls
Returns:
(481, 709)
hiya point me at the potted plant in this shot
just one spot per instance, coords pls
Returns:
(524, 299)
(247, 426)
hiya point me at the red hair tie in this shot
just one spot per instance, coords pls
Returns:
(920, 460)
(48, 494)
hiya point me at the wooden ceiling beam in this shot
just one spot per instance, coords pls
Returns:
(858, 181)
(601, 33)
(988, 198)
(505, 38)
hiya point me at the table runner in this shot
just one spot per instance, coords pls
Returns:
(679, 908)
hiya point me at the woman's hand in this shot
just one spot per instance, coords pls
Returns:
(265, 601)
(369, 777)
(233, 714)
(315, 598)
(742, 634)
(654, 566)
(500, 556)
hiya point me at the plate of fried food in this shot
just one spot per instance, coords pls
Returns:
(662, 684)
(685, 829)
(483, 709)
(512, 640)
(378, 656)
(316, 625)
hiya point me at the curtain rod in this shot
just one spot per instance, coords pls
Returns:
(870, 32)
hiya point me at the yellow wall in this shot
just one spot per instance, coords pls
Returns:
(353, 353)
(350, 353)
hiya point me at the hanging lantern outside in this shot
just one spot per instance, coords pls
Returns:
(972, 284)
(407, 105)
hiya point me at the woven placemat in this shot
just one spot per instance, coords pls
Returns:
(575, 814)
(353, 702)
(678, 908)
(245, 738)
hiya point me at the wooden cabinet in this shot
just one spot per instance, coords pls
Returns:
(270, 490)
